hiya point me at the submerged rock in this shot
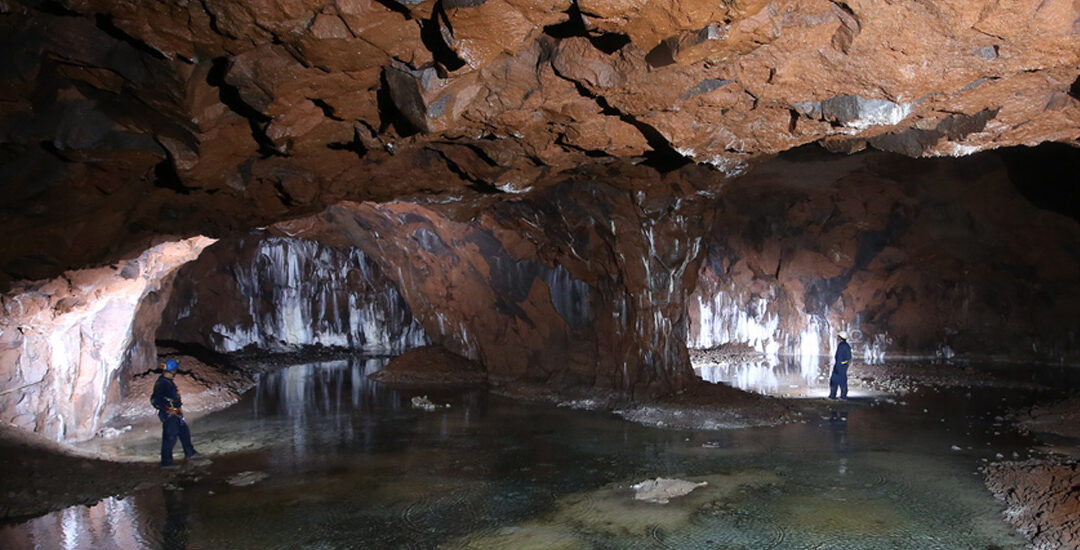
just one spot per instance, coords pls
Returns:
(422, 402)
(244, 479)
(661, 489)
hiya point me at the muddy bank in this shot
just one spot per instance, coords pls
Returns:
(1059, 418)
(430, 366)
(706, 406)
(41, 476)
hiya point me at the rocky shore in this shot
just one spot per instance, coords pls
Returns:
(1043, 494)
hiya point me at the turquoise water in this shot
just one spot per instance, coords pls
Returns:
(350, 464)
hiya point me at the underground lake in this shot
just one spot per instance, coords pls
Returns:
(316, 455)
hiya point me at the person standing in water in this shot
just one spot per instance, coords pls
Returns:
(166, 399)
(840, 366)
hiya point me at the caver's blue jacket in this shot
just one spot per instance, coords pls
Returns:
(843, 360)
(165, 395)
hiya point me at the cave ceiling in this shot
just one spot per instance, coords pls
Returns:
(127, 121)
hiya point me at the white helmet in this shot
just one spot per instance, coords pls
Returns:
(843, 334)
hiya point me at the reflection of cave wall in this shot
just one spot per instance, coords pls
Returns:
(280, 294)
(926, 257)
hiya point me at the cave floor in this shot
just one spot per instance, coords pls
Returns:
(351, 464)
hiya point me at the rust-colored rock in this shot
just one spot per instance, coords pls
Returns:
(184, 117)
(430, 366)
(1042, 499)
(552, 288)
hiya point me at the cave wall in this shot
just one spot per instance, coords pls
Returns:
(581, 286)
(936, 258)
(267, 293)
(68, 345)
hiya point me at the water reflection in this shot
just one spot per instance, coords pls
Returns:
(177, 507)
(351, 465)
(336, 396)
(112, 523)
(778, 375)
(838, 428)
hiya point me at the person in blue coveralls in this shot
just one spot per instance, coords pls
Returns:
(166, 399)
(840, 366)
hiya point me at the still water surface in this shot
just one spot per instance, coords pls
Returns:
(351, 464)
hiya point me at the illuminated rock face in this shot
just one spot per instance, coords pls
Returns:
(266, 293)
(67, 346)
(931, 257)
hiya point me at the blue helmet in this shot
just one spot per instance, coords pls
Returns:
(171, 364)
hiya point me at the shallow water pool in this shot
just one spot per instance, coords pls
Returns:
(350, 464)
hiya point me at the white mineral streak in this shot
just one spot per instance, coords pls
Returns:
(724, 319)
(856, 113)
(728, 318)
(662, 489)
(874, 350)
(953, 149)
(879, 112)
(62, 342)
(311, 304)
(663, 287)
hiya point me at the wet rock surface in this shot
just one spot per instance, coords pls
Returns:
(705, 406)
(662, 489)
(1059, 417)
(1042, 493)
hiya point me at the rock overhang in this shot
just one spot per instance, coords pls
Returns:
(123, 121)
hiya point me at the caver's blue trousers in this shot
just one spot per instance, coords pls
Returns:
(173, 427)
(838, 380)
